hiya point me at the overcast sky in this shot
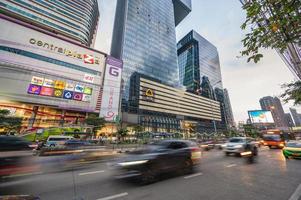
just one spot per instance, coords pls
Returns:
(219, 22)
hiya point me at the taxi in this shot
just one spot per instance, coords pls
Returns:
(292, 149)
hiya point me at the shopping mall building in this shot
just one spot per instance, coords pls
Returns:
(50, 81)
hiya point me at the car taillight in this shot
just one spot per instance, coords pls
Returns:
(195, 153)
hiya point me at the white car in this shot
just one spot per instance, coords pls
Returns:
(57, 140)
(237, 145)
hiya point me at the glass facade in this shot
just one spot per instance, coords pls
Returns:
(77, 21)
(197, 58)
(148, 43)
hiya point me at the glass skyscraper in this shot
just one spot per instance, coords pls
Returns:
(144, 38)
(198, 58)
(76, 20)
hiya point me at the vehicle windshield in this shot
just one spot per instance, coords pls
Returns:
(272, 138)
(236, 140)
(294, 144)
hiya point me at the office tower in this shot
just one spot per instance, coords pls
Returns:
(228, 109)
(73, 20)
(289, 120)
(274, 105)
(144, 38)
(198, 58)
(296, 116)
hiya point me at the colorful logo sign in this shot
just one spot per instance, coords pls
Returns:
(70, 86)
(48, 83)
(79, 88)
(86, 98)
(37, 80)
(149, 93)
(58, 93)
(46, 91)
(89, 78)
(34, 89)
(88, 90)
(59, 84)
(68, 94)
(77, 96)
(114, 71)
(88, 59)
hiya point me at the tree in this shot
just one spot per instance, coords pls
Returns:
(137, 129)
(292, 92)
(122, 132)
(95, 121)
(273, 24)
(9, 123)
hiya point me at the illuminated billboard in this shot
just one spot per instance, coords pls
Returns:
(261, 116)
(42, 69)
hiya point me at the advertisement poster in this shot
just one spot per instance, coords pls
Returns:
(111, 89)
(261, 116)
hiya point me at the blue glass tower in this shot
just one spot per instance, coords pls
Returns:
(144, 38)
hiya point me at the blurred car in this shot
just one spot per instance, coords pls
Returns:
(273, 140)
(161, 157)
(237, 145)
(220, 144)
(207, 145)
(19, 197)
(76, 143)
(57, 140)
(15, 156)
(14, 143)
(292, 149)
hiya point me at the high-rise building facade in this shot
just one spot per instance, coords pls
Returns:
(75, 20)
(228, 109)
(274, 105)
(296, 116)
(289, 120)
(197, 58)
(144, 38)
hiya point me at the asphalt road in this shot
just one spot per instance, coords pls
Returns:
(218, 177)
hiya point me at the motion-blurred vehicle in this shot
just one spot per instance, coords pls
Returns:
(273, 140)
(19, 197)
(292, 149)
(220, 144)
(161, 157)
(14, 143)
(57, 140)
(237, 145)
(76, 143)
(207, 145)
(15, 156)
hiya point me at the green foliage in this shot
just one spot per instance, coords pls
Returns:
(273, 24)
(9, 123)
(95, 121)
(138, 129)
(292, 92)
(123, 132)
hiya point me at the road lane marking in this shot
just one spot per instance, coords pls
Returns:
(193, 175)
(114, 196)
(94, 172)
(231, 165)
(297, 194)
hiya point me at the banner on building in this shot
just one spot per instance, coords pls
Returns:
(111, 89)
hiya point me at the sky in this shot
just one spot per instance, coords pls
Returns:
(219, 22)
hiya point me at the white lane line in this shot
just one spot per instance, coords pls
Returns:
(94, 172)
(114, 196)
(231, 165)
(194, 175)
(297, 194)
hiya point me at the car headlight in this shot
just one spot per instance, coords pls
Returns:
(238, 146)
(137, 162)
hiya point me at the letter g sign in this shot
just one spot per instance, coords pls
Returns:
(114, 71)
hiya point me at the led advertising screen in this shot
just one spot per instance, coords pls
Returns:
(43, 69)
(261, 116)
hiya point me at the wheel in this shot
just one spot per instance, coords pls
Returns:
(52, 145)
(148, 176)
(188, 167)
(227, 153)
(255, 151)
(270, 147)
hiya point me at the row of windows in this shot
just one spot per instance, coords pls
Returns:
(11, 8)
(49, 60)
(52, 15)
